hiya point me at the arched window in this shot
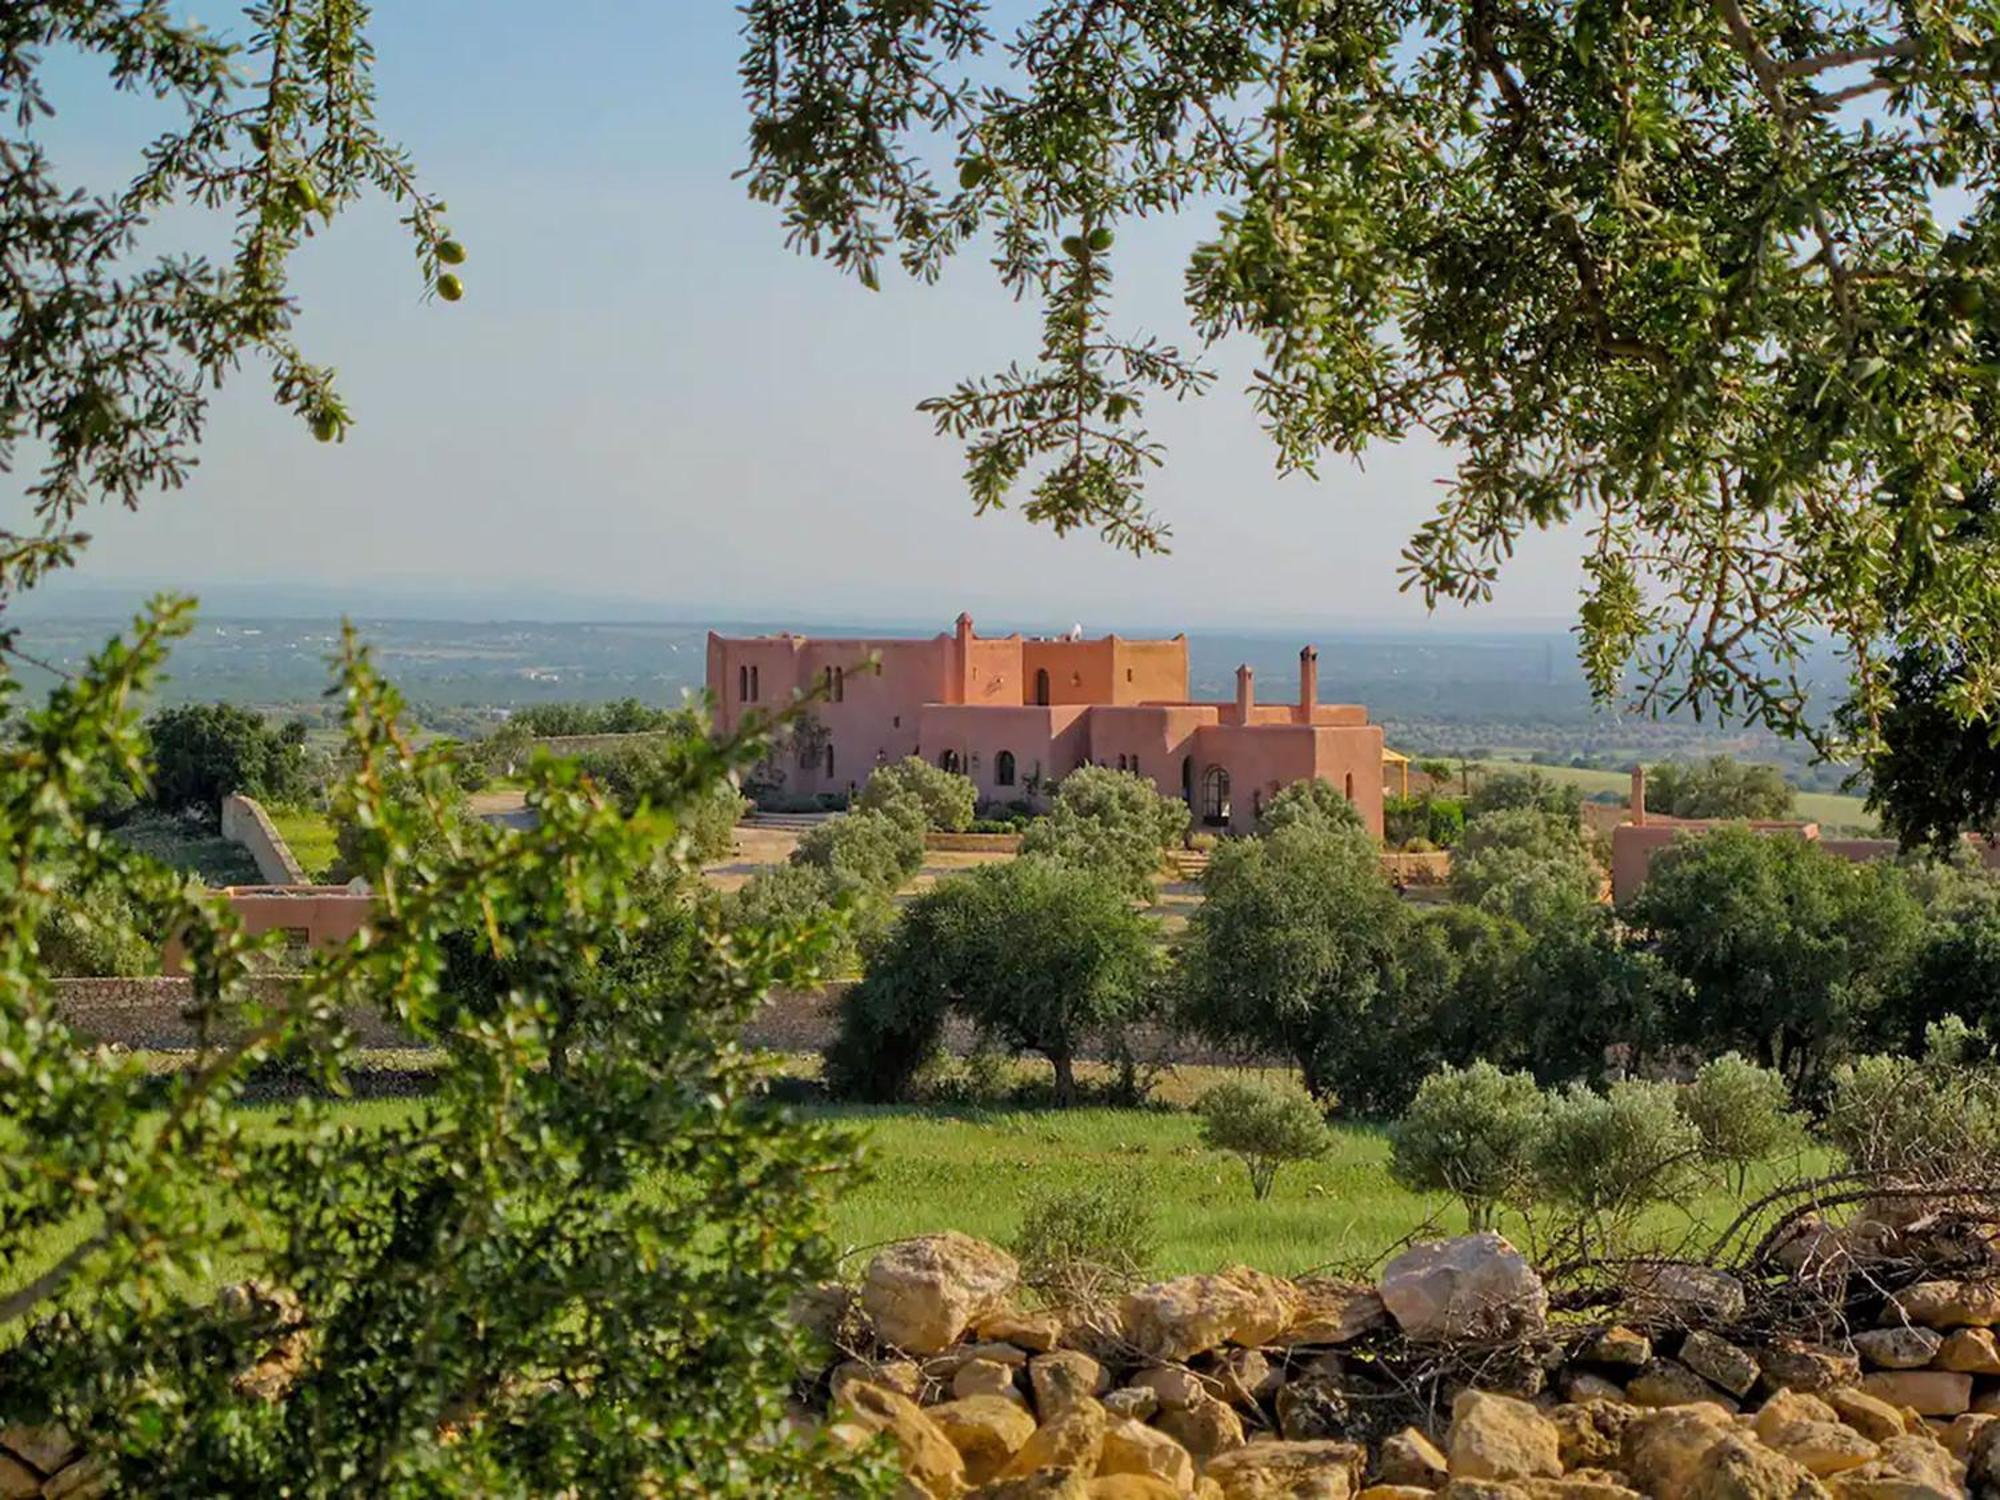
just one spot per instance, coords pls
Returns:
(742, 684)
(1003, 768)
(829, 760)
(1121, 762)
(1350, 786)
(1257, 803)
(1135, 765)
(948, 761)
(840, 684)
(1215, 796)
(1187, 780)
(755, 691)
(1042, 687)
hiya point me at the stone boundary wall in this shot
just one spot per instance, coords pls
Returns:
(153, 1012)
(1418, 869)
(973, 843)
(245, 823)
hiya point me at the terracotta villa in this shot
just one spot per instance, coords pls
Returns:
(1017, 713)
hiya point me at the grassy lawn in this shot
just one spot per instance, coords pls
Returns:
(1828, 808)
(211, 857)
(310, 837)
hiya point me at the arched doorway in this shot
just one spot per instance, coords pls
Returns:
(1187, 780)
(1215, 797)
(948, 761)
(1003, 768)
(1041, 687)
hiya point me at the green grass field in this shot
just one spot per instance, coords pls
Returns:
(310, 836)
(210, 857)
(1827, 808)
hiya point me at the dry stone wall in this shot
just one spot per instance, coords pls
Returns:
(244, 822)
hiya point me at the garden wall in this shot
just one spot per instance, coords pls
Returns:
(155, 1012)
(245, 823)
(973, 843)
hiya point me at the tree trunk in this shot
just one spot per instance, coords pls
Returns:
(1065, 1077)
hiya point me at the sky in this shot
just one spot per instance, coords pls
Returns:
(647, 406)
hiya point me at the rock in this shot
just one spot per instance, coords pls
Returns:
(1134, 1448)
(17, 1480)
(1626, 1348)
(1677, 1292)
(922, 1294)
(930, 1461)
(1662, 1449)
(1591, 1484)
(1075, 1439)
(1810, 1433)
(1206, 1427)
(1962, 1435)
(1178, 1319)
(1036, 1331)
(1987, 1402)
(86, 1479)
(1131, 1487)
(1588, 1387)
(1933, 1393)
(1274, 1306)
(47, 1446)
(1136, 1402)
(1043, 1484)
(1982, 1462)
(1061, 1379)
(1591, 1434)
(899, 1375)
(1395, 1492)
(1740, 1468)
(985, 1377)
(1333, 1312)
(1795, 1365)
(1242, 1377)
(1950, 1304)
(1975, 1351)
(1410, 1458)
(1668, 1382)
(1907, 1468)
(1720, 1362)
(1283, 1470)
(1898, 1348)
(1175, 1387)
(1315, 1408)
(821, 1308)
(1497, 1437)
(1868, 1415)
(1475, 1286)
(986, 1430)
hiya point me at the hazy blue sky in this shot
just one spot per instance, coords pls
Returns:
(645, 401)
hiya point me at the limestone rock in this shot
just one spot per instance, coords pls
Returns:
(1903, 1348)
(1205, 1427)
(1810, 1433)
(1720, 1362)
(1063, 1378)
(1043, 1484)
(1333, 1312)
(1908, 1468)
(1795, 1365)
(1675, 1291)
(1976, 1351)
(1668, 1382)
(1396, 1492)
(1868, 1415)
(922, 1294)
(1589, 1484)
(984, 1377)
(1982, 1461)
(1410, 1458)
(1274, 1306)
(1588, 1387)
(1739, 1468)
(1933, 1393)
(47, 1446)
(1074, 1439)
(1497, 1437)
(1314, 1408)
(1591, 1434)
(1134, 1448)
(1178, 1319)
(1477, 1285)
(1174, 1386)
(1136, 1402)
(821, 1308)
(1035, 1331)
(1626, 1348)
(1963, 1434)
(1283, 1470)
(899, 1375)
(1951, 1304)
(1131, 1487)
(987, 1431)
(17, 1480)
(1662, 1449)
(928, 1457)
(86, 1479)
(1242, 1377)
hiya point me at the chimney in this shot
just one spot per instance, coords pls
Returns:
(1246, 693)
(1308, 682)
(1638, 807)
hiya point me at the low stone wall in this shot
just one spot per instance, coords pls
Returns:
(586, 744)
(155, 1014)
(973, 843)
(1418, 869)
(1851, 1363)
(244, 822)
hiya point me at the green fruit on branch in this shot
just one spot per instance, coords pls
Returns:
(450, 287)
(1073, 246)
(1100, 239)
(451, 252)
(325, 426)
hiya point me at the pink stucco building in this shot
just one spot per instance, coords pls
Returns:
(1017, 713)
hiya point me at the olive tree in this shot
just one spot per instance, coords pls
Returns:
(1112, 823)
(947, 799)
(1265, 1127)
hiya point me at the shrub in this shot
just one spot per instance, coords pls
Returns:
(1265, 1127)
(1534, 866)
(1914, 1121)
(1427, 819)
(1740, 1112)
(1523, 790)
(1078, 1246)
(645, 773)
(946, 798)
(1607, 1156)
(1312, 801)
(807, 896)
(874, 851)
(1112, 822)
(1473, 1133)
(203, 752)
(1719, 787)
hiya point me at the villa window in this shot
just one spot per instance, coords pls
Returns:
(1121, 762)
(1003, 768)
(742, 684)
(840, 684)
(1350, 786)
(1042, 687)
(1215, 796)
(756, 692)
(829, 762)
(948, 761)
(1135, 765)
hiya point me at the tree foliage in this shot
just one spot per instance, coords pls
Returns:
(946, 798)
(1719, 787)
(1266, 1128)
(203, 752)
(1472, 1133)
(1678, 277)
(1310, 801)
(1112, 823)
(1532, 865)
